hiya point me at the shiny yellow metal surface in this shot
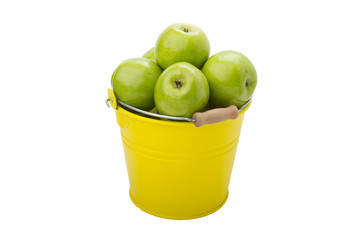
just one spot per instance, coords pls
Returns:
(176, 170)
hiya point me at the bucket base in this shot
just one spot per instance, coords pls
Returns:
(179, 218)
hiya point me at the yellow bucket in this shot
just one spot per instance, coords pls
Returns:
(177, 170)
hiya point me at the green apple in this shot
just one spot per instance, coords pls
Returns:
(181, 90)
(150, 54)
(182, 42)
(134, 81)
(232, 79)
(154, 110)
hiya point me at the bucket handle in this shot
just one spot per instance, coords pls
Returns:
(215, 115)
(199, 118)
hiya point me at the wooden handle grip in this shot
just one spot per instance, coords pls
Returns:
(215, 115)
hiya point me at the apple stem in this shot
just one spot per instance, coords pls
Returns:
(186, 29)
(179, 83)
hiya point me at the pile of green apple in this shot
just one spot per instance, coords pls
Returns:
(177, 77)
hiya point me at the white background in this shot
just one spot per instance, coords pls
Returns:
(62, 170)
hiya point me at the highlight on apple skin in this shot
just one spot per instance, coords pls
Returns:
(182, 42)
(232, 79)
(134, 81)
(181, 90)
